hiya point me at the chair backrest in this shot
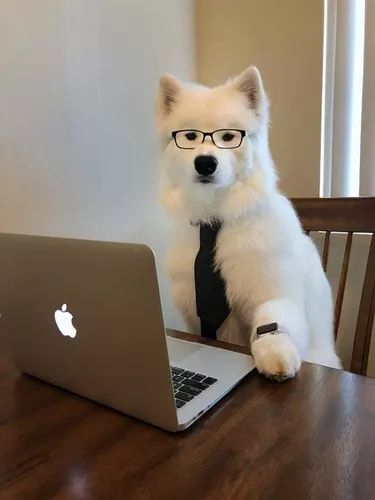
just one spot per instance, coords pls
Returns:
(346, 215)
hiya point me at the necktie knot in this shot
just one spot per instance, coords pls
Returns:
(208, 232)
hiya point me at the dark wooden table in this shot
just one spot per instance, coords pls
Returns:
(312, 437)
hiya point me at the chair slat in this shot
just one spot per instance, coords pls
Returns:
(362, 339)
(326, 250)
(342, 284)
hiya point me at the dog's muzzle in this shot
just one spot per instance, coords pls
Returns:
(205, 166)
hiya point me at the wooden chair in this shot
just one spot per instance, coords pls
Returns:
(346, 215)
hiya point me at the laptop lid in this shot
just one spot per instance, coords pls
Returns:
(86, 316)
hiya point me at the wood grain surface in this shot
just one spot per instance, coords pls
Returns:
(308, 438)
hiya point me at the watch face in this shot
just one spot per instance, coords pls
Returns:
(270, 327)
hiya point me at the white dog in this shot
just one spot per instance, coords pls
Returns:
(271, 269)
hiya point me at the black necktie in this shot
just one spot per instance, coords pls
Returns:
(212, 305)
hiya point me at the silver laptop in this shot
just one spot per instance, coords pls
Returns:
(86, 316)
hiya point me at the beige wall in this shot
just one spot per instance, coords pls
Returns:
(284, 38)
(78, 154)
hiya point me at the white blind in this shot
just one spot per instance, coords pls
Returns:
(341, 166)
(367, 170)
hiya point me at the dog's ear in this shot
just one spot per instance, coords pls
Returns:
(169, 88)
(249, 82)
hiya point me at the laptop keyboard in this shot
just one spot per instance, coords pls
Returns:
(187, 385)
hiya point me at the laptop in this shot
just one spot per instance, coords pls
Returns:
(86, 316)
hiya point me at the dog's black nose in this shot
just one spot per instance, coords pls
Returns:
(205, 165)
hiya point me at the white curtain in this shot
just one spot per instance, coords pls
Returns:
(348, 116)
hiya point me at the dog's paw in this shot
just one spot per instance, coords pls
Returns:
(276, 356)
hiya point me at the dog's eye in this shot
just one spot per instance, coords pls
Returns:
(191, 136)
(227, 137)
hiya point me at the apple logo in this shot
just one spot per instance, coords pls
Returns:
(63, 320)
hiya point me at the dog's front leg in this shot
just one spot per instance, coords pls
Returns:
(278, 356)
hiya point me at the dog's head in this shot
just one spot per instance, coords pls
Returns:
(211, 141)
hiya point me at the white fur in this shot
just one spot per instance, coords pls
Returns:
(271, 269)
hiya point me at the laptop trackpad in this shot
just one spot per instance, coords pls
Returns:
(179, 350)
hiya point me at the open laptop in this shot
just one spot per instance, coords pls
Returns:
(86, 316)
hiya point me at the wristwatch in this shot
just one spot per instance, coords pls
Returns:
(272, 328)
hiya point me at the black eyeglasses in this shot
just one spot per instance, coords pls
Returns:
(224, 138)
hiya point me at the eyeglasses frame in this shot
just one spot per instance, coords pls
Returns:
(209, 134)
